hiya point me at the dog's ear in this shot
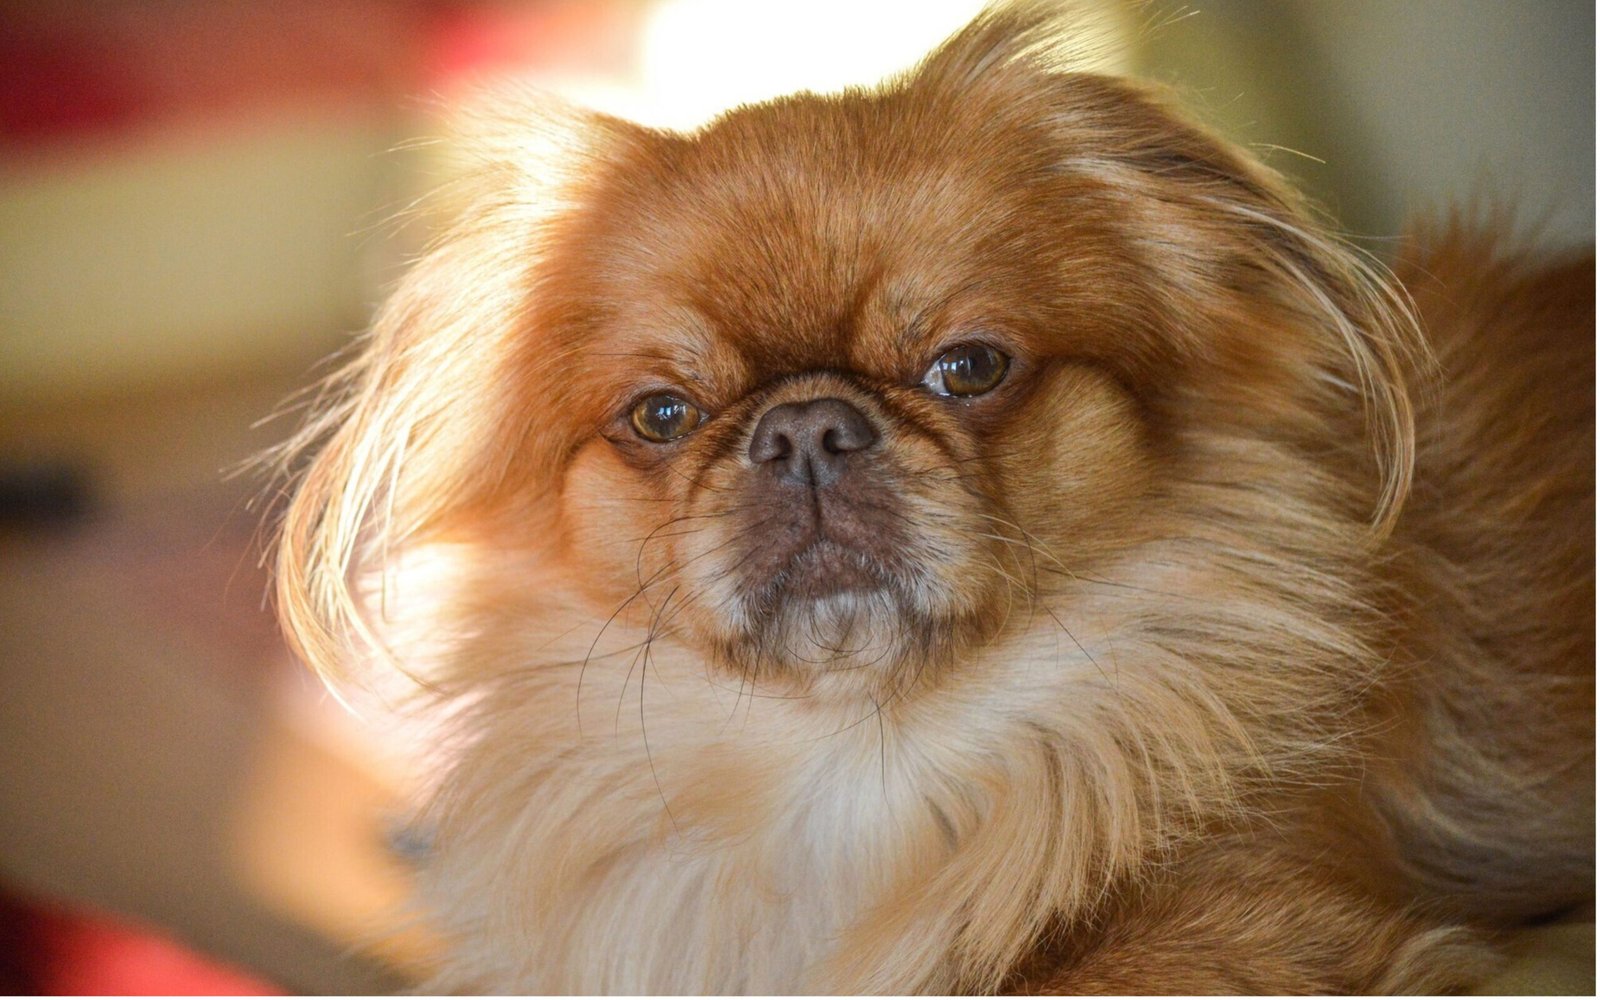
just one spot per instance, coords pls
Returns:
(431, 419)
(1243, 248)
(1246, 273)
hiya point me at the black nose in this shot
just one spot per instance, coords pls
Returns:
(810, 443)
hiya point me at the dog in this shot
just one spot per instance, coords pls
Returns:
(976, 534)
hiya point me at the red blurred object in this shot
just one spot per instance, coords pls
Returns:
(50, 949)
(85, 68)
(465, 41)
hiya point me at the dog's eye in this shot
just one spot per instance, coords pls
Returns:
(968, 370)
(664, 417)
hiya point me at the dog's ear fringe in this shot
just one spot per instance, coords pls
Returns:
(1375, 320)
(388, 449)
(1373, 346)
(385, 414)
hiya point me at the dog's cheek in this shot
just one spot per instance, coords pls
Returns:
(1076, 465)
(613, 526)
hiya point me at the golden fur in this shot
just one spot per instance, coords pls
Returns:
(1242, 639)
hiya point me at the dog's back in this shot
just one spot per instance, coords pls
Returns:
(1495, 813)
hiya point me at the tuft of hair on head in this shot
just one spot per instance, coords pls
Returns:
(1026, 36)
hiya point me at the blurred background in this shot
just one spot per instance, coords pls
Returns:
(196, 205)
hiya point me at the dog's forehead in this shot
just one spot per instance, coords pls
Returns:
(813, 233)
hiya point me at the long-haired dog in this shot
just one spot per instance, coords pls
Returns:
(978, 533)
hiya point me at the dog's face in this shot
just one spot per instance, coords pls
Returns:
(839, 370)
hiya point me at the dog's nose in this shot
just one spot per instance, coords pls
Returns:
(810, 443)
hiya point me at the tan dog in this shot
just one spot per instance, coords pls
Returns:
(974, 534)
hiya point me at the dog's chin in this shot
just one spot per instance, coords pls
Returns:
(830, 611)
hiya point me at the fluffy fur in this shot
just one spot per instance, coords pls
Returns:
(1241, 639)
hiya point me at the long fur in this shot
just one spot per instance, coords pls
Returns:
(1273, 666)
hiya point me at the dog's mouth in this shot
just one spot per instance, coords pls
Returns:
(827, 549)
(821, 597)
(824, 568)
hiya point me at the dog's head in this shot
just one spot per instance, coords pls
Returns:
(835, 388)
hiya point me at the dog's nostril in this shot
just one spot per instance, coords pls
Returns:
(850, 431)
(809, 442)
(780, 447)
(769, 444)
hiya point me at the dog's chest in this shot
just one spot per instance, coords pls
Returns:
(753, 914)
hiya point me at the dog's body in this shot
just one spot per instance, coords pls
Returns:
(1099, 676)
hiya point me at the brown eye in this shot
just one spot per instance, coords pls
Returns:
(967, 370)
(664, 417)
